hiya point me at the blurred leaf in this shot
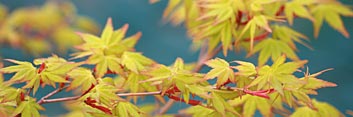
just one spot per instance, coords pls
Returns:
(126, 109)
(86, 24)
(221, 106)
(289, 36)
(198, 111)
(251, 104)
(251, 26)
(323, 109)
(330, 12)
(296, 7)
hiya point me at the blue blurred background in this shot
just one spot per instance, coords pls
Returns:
(164, 43)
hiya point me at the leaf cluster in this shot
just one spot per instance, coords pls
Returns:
(41, 29)
(109, 77)
(257, 26)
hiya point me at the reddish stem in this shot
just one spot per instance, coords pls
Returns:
(240, 15)
(41, 68)
(225, 83)
(260, 93)
(92, 86)
(22, 96)
(173, 90)
(108, 71)
(247, 21)
(259, 37)
(63, 84)
(91, 102)
(280, 10)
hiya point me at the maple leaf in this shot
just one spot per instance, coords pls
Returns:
(134, 86)
(252, 103)
(279, 74)
(126, 109)
(220, 105)
(24, 71)
(289, 36)
(28, 108)
(257, 21)
(330, 12)
(8, 93)
(109, 50)
(245, 69)
(198, 111)
(54, 69)
(105, 63)
(220, 69)
(272, 48)
(311, 83)
(177, 72)
(82, 77)
(103, 93)
(174, 11)
(177, 78)
(322, 109)
(135, 61)
(220, 10)
(297, 7)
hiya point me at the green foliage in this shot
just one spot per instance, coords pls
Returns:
(221, 70)
(241, 88)
(28, 108)
(323, 109)
(34, 29)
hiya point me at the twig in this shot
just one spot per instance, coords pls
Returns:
(59, 99)
(166, 107)
(76, 97)
(140, 94)
(29, 91)
(50, 94)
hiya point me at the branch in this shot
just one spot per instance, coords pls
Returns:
(43, 101)
(90, 102)
(140, 94)
(51, 94)
(166, 107)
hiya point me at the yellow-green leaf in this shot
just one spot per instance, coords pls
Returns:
(330, 12)
(135, 61)
(83, 78)
(126, 109)
(25, 71)
(274, 49)
(323, 109)
(221, 70)
(28, 108)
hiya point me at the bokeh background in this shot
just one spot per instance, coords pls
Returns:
(164, 43)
